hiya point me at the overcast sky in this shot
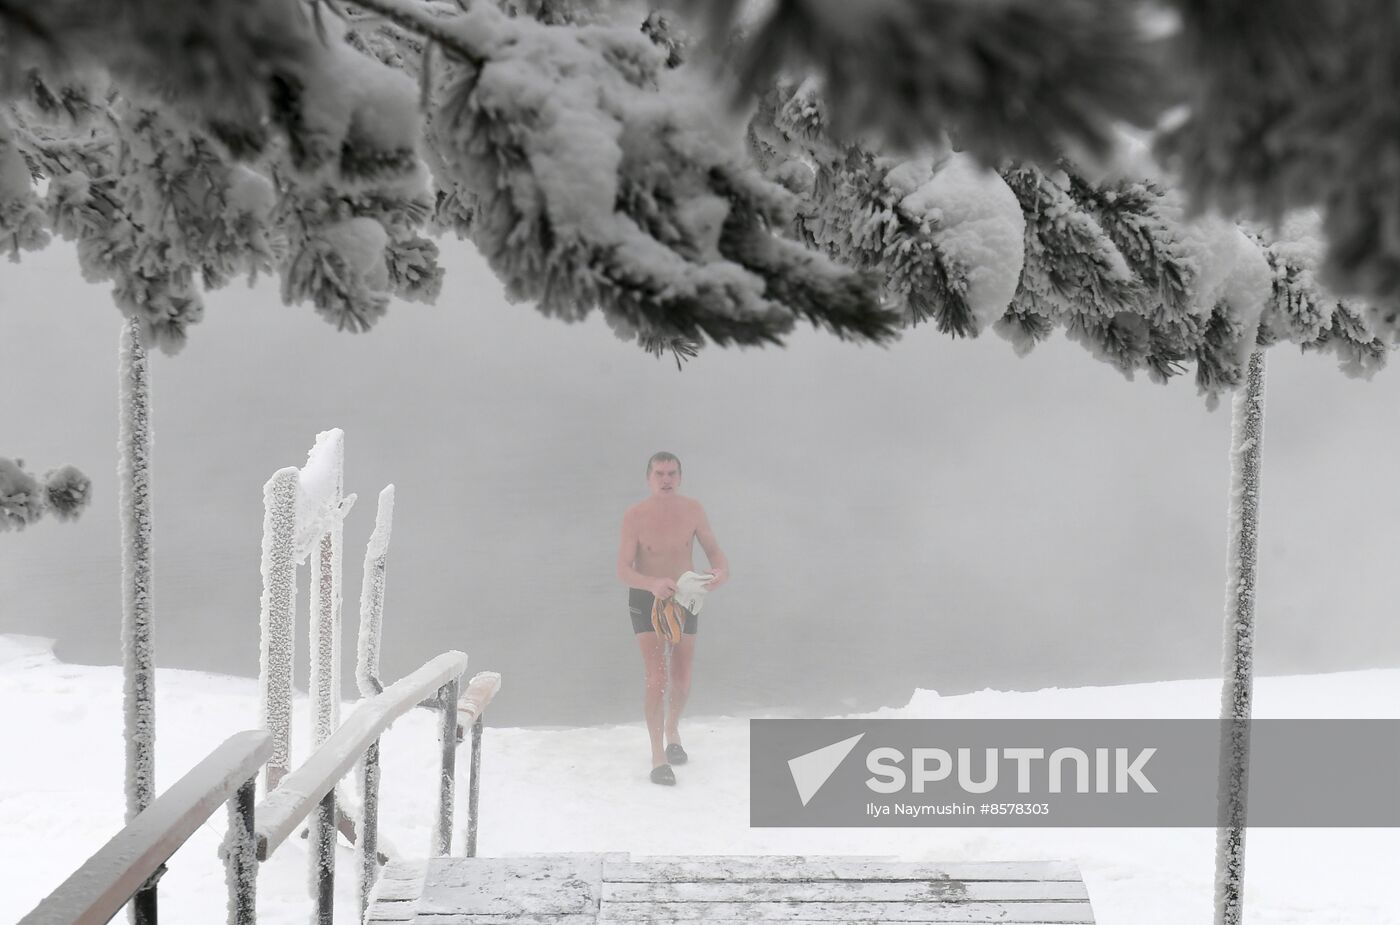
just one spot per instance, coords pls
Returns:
(940, 514)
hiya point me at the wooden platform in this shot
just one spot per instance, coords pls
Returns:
(612, 889)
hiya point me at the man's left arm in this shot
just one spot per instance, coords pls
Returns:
(719, 565)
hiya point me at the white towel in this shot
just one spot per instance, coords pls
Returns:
(690, 590)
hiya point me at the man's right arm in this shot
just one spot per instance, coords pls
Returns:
(627, 558)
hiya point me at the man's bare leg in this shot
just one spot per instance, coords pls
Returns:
(682, 657)
(653, 649)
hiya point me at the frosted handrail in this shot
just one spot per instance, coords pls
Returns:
(97, 890)
(299, 792)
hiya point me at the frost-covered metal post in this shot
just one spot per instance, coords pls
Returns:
(368, 681)
(329, 456)
(447, 740)
(240, 853)
(368, 844)
(278, 635)
(321, 511)
(471, 707)
(372, 596)
(138, 661)
(474, 788)
(1237, 688)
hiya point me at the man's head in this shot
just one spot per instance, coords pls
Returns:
(663, 473)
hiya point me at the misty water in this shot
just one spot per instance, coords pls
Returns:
(941, 514)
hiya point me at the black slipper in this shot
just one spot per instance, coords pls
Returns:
(662, 774)
(675, 754)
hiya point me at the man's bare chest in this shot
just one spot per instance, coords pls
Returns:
(663, 532)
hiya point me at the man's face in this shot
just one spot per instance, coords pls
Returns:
(664, 477)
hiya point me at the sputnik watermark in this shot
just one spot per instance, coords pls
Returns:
(1067, 772)
(1114, 770)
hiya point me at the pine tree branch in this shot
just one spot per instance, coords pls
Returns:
(1021, 78)
(416, 18)
(26, 498)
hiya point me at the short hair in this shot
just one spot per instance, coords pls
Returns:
(664, 456)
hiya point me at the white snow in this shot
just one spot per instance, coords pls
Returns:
(319, 486)
(585, 789)
(361, 242)
(251, 193)
(1230, 268)
(383, 524)
(977, 223)
(1301, 240)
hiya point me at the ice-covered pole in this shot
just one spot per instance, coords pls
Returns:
(138, 662)
(322, 511)
(372, 596)
(1237, 687)
(278, 628)
(367, 680)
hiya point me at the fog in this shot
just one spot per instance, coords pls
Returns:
(939, 514)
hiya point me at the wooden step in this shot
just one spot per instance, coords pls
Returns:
(616, 889)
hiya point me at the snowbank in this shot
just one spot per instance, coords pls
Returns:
(586, 790)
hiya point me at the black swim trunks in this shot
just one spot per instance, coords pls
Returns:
(639, 605)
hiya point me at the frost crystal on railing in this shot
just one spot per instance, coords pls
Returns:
(372, 595)
(278, 616)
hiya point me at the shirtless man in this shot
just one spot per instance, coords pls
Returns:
(658, 535)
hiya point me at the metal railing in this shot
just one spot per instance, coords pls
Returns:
(470, 709)
(312, 786)
(97, 890)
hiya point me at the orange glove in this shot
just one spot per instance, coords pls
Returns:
(667, 619)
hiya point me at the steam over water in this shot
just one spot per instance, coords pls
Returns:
(940, 514)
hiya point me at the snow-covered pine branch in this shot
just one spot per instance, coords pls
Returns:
(1300, 308)
(1112, 258)
(26, 498)
(167, 197)
(594, 169)
(310, 167)
(22, 225)
(1030, 79)
(1073, 275)
(596, 177)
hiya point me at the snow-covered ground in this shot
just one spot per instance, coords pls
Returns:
(585, 789)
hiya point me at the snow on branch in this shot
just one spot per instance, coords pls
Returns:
(1302, 310)
(939, 239)
(1116, 262)
(598, 178)
(583, 151)
(22, 225)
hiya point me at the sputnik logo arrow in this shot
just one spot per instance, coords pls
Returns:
(812, 770)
